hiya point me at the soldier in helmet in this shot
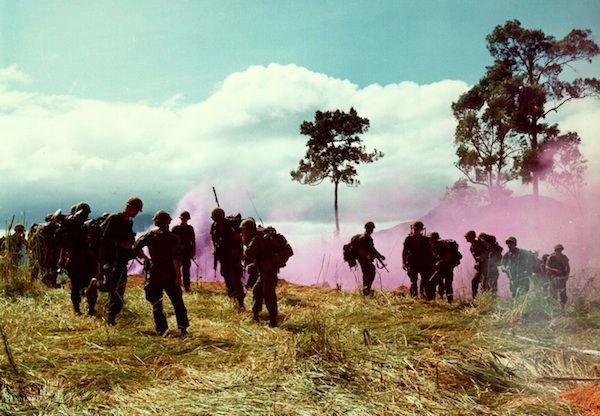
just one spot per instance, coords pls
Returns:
(76, 258)
(116, 251)
(164, 273)
(443, 269)
(366, 255)
(480, 251)
(417, 258)
(557, 269)
(259, 264)
(14, 245)
(226, 243)
(187, 237)
(518, 264)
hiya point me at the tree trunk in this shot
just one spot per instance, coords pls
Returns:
(335, 208)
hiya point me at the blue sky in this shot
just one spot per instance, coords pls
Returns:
(165, 99)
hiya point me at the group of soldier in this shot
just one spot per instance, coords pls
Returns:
(430, 261)
(95, 254)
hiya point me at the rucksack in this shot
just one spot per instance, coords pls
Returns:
(495, 248)
(350, 250)
(277, 246)
(455, 254)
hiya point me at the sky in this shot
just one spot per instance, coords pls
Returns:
(103, 100)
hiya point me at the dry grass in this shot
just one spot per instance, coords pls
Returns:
(334, 353)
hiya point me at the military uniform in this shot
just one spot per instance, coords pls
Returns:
(558, 269)
(115, 257)
(187, 238)
(366, 248)
(417, 259)
(258, 259)
(227, 248)
(79, 261)
(443, 272)
(518, 265)
(480, 252)
(164, 249)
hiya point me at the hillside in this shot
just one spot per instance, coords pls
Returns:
(334, 353)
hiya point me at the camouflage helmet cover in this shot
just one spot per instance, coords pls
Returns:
(135, 202)
(558, 247)
(161, 215)
(418, 225)
(217, 214)
(19, 228)
(511, 240)
(185, 214)
(470, 233)
(83, 206)
(369, 225)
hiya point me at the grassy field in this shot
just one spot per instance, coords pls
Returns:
(334, 353)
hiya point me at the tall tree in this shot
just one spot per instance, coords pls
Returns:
(537, 61)
(334, 150)
(487, 147)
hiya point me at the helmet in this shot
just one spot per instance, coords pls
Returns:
(511, 240)
(160, 215)
(83, 206)
(556, 247)
(369, 225)
(217, 214)
(434, 235)
(248, 223)
(470, 234)
(418, 225)
(185, 215)
(135, 202)
(19, 228)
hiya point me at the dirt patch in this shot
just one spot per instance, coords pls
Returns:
(585, 397)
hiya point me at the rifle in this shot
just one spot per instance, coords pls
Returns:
(381, 265)
(215, 261)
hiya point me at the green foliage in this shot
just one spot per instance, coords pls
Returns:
(501, 134)
(334, 150)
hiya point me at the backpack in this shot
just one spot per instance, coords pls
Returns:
(277, 246)
(495, 248)
(350, 250)
(455, 254)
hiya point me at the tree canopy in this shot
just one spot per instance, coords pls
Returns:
(334, 150)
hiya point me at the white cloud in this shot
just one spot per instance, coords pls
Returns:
(244, 140)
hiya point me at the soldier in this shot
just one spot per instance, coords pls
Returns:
(366, 255)
(44, 249)
(226, 243)
(76, 258)
(491, 274)
(518, 264)
(480, 252)
(187, 237)
(14, 245)
(259, 265)
(417, 258)
(443, 269)
(164, 273)
(116, 251)
(558, 270)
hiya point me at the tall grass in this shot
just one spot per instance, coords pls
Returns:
(334, 353)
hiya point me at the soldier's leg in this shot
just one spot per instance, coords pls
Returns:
(562, 290)
(175, 294)
(75, 276)
(432, 284)
(237, 272)
(154, 293)
(414, 282)
(257, 294)
(270, 295)
(448, 280)
(118, 283)
(475, 282)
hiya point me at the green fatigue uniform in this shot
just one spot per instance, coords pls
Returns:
(491, 273)
(187, 237)
(80, 262)
(227, 246)
(480, 252)
(417, 258)
(258, 257)
(164, 248)
(366, 248)
(443, 272)
(558, 270)
(518, 264)
(44, 248)
(114, 259)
